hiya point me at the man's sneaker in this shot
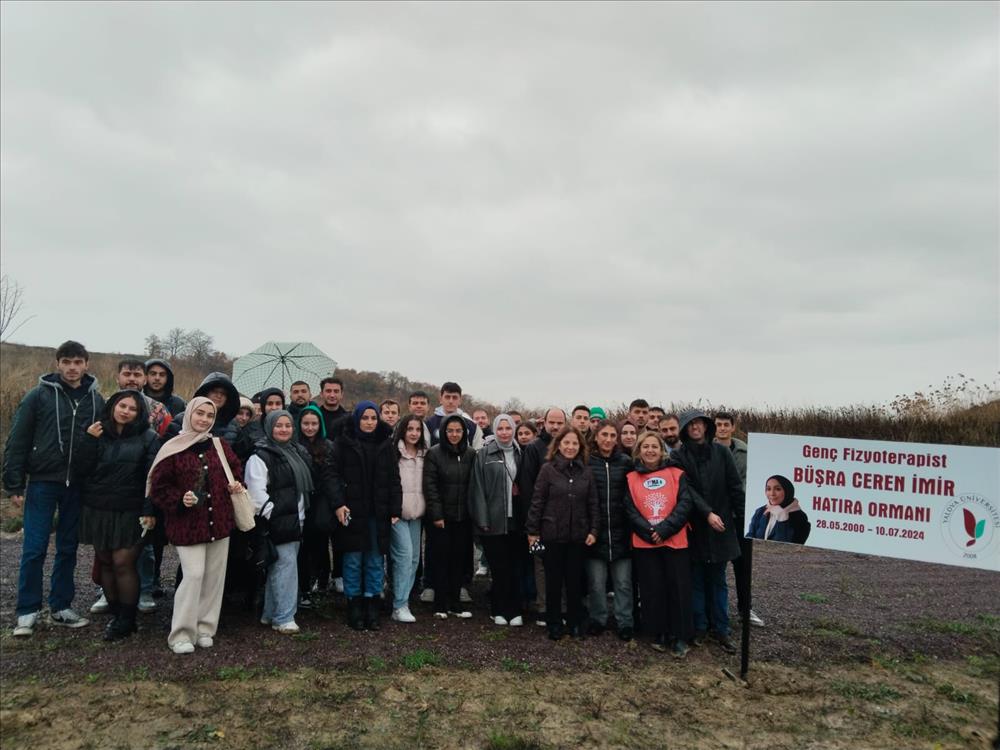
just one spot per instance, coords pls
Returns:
(462, 614)
(305, 602)
(626, 633)
(699, 639)
(463, 595)
(516, 622)
(338, 585)
(25, 625)
(67, 618)
(680, 649)
(756, 620)
(146, 603)
(183, 647)
(101, 606)
(403, 614)
(427, 595)
(540, 623)
(500, 620)
(724, 643)
(441, 615)
(482, 571)
(288, 628)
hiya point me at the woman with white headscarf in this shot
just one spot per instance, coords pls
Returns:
(498, 515)
(188, 483)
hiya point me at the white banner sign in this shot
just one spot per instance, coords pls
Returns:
(916, 501)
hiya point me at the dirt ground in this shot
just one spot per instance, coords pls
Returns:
(857, 652)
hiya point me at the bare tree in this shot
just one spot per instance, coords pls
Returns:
(154, 346)
(175, 343)
(198, 346)
(11, 307)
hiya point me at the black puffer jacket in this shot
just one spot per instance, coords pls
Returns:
(447, 473)
(174, 403)
(47, 427)
(283, 524)
(564, 506)
(368, 491)
(716, 488)
(531, 463)
(613, 535)
(112, 469)
(319, 516)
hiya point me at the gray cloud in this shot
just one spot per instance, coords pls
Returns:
(750, 203)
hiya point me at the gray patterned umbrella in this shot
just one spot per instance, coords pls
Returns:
(278, 364)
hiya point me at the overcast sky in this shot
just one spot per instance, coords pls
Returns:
(742, 203)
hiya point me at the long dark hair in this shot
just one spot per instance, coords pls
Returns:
(316, 445)
(138, 425)
(400, 432)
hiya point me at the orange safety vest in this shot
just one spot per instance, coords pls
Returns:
(655, 497)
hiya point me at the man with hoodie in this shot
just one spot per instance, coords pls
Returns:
(49, 423)
(219, 389)
(717, 523)
(451, 403)
(725, 426)
(160, 385)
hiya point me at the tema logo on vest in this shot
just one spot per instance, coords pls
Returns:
(970, 525)
(654, 483)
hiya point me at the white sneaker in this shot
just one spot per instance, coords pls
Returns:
(516, 622)
(540, 623)
(498, 620)
(205, 641)
(101, 606)
(25, 625)
(183, 647)
(482, 571)
(288, 628)
(756, 620)
(67, 618)
(427, 595)
(463, 595)
(441, 615)
(146, 603)
(403, 614)
(463, 615)
(265, 621)
(338, 585)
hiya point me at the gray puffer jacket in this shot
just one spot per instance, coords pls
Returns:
(493, 484)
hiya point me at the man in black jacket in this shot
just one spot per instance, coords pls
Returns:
(160, 385)
(331, 391)
(49, 423)
(717, 523)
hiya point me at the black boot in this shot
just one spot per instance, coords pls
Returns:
(355, 613)
(372, 605)
(123, 625)
(114, 609)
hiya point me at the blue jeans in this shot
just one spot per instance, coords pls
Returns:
(404, 548)
(709, 589)
(40, 502)
(146, 564)
(597, 596)
(281, 597)
(368, 564)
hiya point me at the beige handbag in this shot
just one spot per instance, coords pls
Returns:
(242, 504)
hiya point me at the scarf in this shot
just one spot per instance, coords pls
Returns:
(778, 514)
(300, 470)
(509, 458)
(187, 437)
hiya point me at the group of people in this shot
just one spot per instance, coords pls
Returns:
(563, 508)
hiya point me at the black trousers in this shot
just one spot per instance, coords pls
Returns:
(742, 579)
(665, 583)
(505, 552)
(564, 569)
(451, 546)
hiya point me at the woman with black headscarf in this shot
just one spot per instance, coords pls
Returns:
(780, 519)
(368, 500)
(279, 479)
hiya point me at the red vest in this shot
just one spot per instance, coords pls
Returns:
(655, 496)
